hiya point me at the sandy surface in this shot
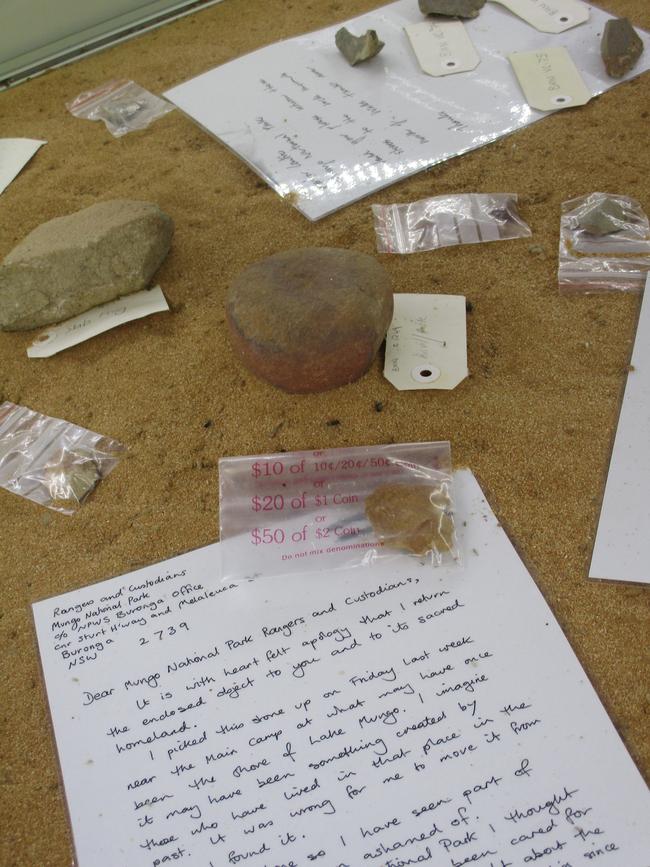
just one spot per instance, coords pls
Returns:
(535, 420)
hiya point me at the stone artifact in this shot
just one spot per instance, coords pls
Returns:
(356, 49)
(452, 8)
(620, 47)
(72, 263)
(412, 517)
(70, 485)
(310, 319)
(604, 217)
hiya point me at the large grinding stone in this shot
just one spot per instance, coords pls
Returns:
(310, 319)
(72, 263)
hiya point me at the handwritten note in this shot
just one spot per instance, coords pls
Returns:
(326, 134)
(382, 716)
(426, 343)
(549, 78)
(97, 320)
(442, 47)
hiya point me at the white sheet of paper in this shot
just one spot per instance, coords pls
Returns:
(97, 320)
(622, 546)
(378, 716)
(15, 153)
(328, 134)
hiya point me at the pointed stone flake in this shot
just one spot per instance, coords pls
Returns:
(604, 217)
(452, 8)
(620, 47)
(356, 49)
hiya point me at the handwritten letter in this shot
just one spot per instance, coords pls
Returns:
(327, 134)
(382, 716)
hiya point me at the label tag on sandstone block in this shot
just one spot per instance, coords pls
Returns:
(549, 16)
(426, 344)
(549, 79)
(97, 320)
(442, 48)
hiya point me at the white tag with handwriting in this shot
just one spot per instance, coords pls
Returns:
(442, 47)
(97, 320)
(549, 79)
(426, 344)
(549, 16)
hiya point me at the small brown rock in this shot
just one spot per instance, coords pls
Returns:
(413, 518)
(620, 47)
(311, 319)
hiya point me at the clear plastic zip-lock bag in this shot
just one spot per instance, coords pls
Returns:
(604, 244)
(122, 105)
(51, 461)
(445, 221)
(304, 512)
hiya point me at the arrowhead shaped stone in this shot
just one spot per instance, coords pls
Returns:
(604, 217)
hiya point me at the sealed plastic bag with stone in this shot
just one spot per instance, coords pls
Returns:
(51, 461)
(604, 244)
(123, 105)
(445, 221)
(304, 512)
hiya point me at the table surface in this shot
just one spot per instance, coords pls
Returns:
(535, 420)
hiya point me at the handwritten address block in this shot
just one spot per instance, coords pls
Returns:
(382, 716)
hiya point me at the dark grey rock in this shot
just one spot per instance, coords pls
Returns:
(620, 47)
(310, 319)
(356, 49)
(452, 8)
(72, 263)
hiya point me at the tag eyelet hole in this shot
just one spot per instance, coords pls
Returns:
(425, 373)
(451, 63)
